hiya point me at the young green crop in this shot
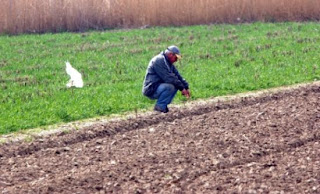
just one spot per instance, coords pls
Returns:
(217, 60)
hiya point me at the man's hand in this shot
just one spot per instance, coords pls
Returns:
(186, 93)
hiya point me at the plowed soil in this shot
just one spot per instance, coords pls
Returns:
(265, 144)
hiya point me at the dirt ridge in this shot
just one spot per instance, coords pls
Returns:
(248, 144)
(63, 139)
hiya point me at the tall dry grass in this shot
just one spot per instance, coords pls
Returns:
(19, 16)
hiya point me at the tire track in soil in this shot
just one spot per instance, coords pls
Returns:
(279, 149)
(220, 127)
(296, 170)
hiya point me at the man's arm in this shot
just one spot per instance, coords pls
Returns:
(182, 80)
(185, 91)
(163, 71)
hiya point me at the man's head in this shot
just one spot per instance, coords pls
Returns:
(173, 53)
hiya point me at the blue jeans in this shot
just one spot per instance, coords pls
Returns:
(165, 94)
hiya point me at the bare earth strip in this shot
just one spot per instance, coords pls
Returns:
(267, 143)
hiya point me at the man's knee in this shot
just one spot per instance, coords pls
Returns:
(170, 88)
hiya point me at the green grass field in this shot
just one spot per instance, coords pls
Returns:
(217, 60)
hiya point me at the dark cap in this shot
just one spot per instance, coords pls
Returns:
(175, 50)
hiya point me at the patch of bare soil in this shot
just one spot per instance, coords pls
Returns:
(265, 144)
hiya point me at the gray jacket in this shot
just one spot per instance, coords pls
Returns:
(160, 70)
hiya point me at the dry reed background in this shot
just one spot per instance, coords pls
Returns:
(20, 16)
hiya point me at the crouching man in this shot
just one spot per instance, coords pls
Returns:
(162, 79)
